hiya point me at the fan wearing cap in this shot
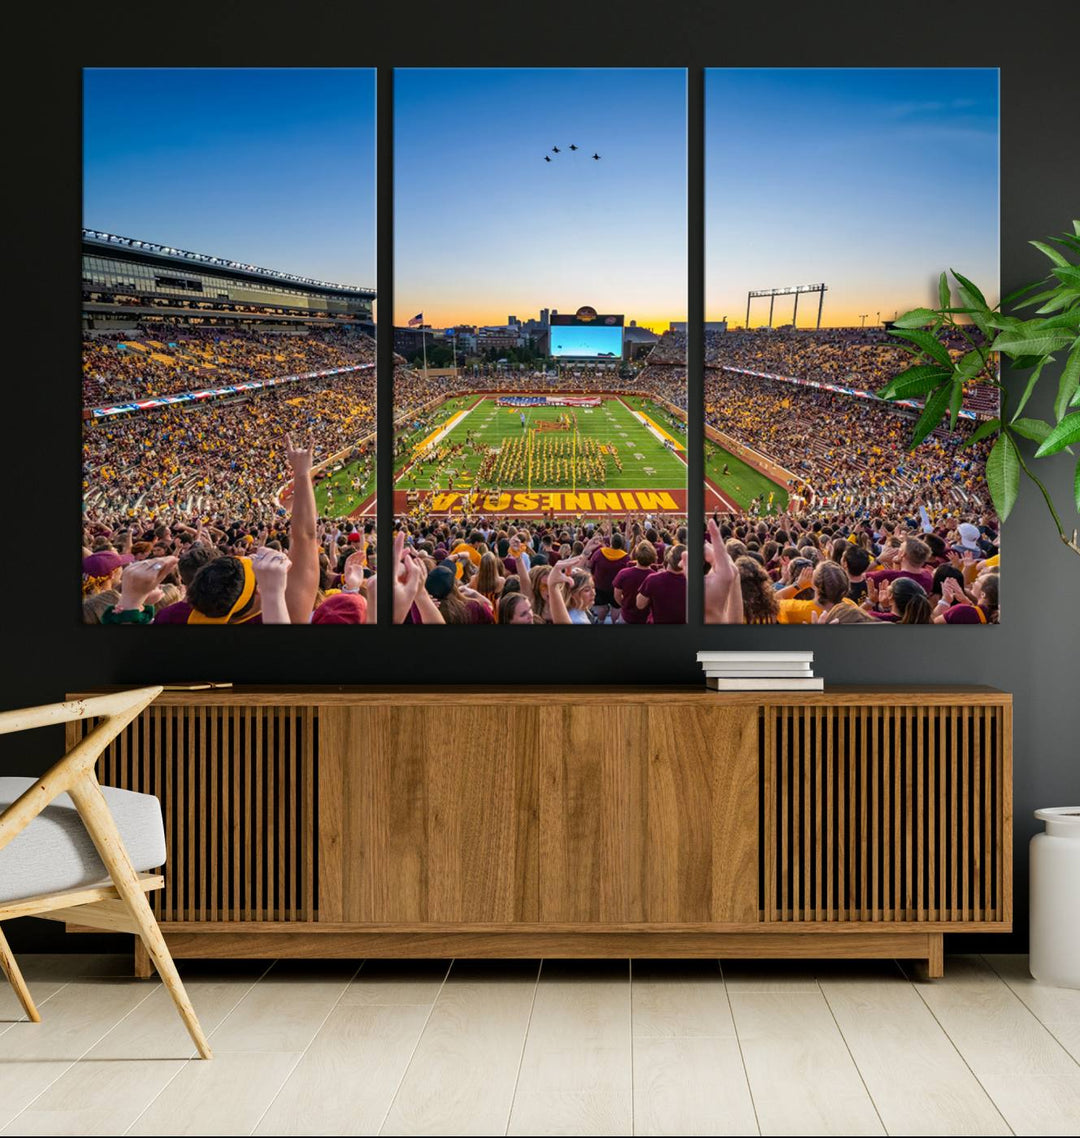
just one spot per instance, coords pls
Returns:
(101, 571)
(457, 605)
(139, 590)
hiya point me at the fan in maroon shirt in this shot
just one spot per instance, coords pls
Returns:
(629, 580)
(605, 565)
(664, 593)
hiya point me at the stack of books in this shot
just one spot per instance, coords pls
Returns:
(760, 671)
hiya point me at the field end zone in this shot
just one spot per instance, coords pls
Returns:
(539, 503)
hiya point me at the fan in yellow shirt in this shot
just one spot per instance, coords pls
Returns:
(830, 584)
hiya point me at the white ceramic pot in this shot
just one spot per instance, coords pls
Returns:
(1055, 898)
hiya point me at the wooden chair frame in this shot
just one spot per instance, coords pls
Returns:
(121, 906)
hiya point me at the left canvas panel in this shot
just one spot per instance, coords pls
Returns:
(228, 346)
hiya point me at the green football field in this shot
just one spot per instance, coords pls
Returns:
(646, 462)
(742, 483)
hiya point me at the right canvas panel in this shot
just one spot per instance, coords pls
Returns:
(835, 199)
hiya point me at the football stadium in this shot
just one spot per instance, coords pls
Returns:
(207, 386)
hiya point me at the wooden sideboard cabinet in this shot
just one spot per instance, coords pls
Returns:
(499, 822)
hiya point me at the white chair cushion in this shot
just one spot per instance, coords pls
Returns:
(55, 852)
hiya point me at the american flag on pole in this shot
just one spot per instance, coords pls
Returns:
(417, 320)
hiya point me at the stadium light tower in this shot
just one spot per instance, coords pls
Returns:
(862, 319)
(789, 290)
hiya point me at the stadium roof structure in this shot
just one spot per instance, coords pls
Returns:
(150, 250)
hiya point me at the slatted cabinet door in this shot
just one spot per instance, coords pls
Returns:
(887, 813)
(237, 785)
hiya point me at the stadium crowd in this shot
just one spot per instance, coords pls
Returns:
(863, 358)
(235, 567)
(492, 570)
(846, 452)
(165, 359)
(886, 568)
(222, 456)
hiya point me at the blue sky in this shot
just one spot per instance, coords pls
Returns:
(275, 167)
(484, 227)
(869, 180)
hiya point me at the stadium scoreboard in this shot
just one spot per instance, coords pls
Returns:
(587, 335)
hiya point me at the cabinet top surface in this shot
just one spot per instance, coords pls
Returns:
(685, 694)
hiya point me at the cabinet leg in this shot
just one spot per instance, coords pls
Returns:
(143, 969)
(935, 963)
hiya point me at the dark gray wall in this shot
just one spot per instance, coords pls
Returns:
(1033, 653)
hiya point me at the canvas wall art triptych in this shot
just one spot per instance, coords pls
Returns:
(538, 339)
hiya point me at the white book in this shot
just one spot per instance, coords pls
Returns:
(774, 671)
(766, 684)
(755, 657)
(761, 666)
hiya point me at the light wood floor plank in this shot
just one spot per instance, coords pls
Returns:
(691, 1085)
(679, 998)
(916, 1078)
(285, 1009)
(461, 1079)
(576, 1071)
(397, 982)
(1038, 1104)
(225, 1095)
(34, 1055)
(347, 1078)
(769, 975)
(96, 1097)
(1033, 1080)
(991, 1028)
(1058, 1009)
(154, 1030)
(11, 1011)
(802, 1078)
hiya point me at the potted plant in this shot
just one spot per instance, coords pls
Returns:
(938, 376)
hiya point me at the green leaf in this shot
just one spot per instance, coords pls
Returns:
(1015, 296)
(955, 399)
(916, 318)
(1050, 251)
(1032, 380)
(982, 430)
(1069, 321)
(943, 291)
(1063, 435)
(932, 414)
(914, 381)
(1069, 383)
(997, 320)
(1034, 429)
(1038, 298)
(1076, 227)
(1063, 298)
(973, 289)
(970, 365)
(1030, 340)
(929, 344)
(1003, 474)
(1068, 274)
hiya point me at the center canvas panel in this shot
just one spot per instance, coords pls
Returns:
(540, 284)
